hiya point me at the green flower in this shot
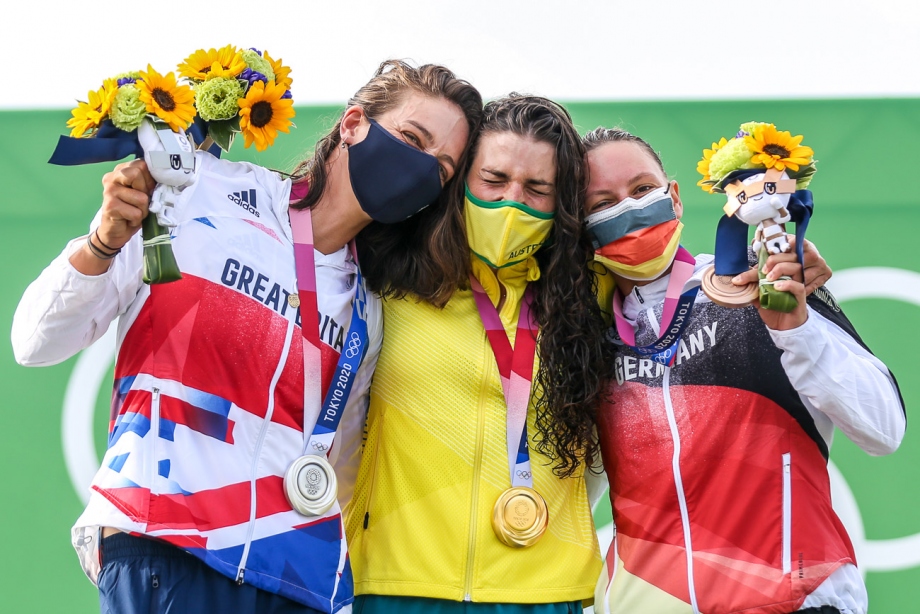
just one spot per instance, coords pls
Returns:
(217, 98)
(748, 127)
(128, 110)
(734, 156)
(259, 64)
(128, 75)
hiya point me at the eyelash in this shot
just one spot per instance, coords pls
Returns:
(596, 206)
(412, 139)
(499, 182)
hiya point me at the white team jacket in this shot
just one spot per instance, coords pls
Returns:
(207, 409)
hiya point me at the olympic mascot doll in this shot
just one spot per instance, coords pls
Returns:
(763, 172)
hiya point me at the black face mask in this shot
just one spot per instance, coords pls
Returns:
(391, 180)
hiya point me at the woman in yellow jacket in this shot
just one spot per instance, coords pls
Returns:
(456, 508)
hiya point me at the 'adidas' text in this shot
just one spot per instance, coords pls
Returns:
(245, 199)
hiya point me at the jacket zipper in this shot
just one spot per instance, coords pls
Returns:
(241, 570)
(372, 475)
(153, 466)
(787, 513)
(477, 469)
(679, 486)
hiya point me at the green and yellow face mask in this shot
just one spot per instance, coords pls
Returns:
(505, 232)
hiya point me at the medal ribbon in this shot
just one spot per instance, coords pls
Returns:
(674, 317)
(328, 411)
(515, 366)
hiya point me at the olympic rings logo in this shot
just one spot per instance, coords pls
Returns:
(354, 345)
(526, 475)
(319, 446)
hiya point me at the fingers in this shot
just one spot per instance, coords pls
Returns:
(748, 277)
(796, 288)
(815, 277)
(125, 201)
(785, 269)
(811, 255)
(816, 272)
(134, 174)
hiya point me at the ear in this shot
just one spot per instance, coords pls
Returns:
(354, 125)
(675, 195)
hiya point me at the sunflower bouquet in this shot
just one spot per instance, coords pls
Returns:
(764, 173)
(219, 93)
(124, 117)
(240, 91)
(127, 99)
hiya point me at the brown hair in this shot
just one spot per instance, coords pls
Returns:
(386, 90)
(601, 135)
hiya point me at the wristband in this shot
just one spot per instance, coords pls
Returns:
(98, 253)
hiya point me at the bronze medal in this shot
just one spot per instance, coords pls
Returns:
(519, 517)
(721, 290)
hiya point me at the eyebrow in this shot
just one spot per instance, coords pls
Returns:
(444, 157)
(548, 184)
(633, 180)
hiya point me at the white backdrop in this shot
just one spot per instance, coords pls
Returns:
(570, 50)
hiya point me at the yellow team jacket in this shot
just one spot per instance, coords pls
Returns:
(435, 461)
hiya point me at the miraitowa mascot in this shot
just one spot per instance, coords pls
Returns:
(763, 172)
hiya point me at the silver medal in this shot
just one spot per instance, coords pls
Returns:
(310, 485)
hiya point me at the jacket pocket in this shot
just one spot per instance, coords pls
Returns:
(787, 514)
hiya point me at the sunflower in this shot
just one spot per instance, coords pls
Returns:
(702, 167)
(88, 115)
(164, 98)
(263, 112)
(203, 65)
(282, 72)
(775, 149)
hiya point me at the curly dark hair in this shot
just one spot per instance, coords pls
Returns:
(569, 385)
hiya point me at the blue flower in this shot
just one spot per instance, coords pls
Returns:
(251, 76)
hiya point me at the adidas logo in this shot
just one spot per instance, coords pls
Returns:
(245, 199)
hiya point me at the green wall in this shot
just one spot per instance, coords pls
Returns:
(867, 214)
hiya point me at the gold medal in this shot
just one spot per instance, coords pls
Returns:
(294, 300)
(519, 517)
(310, 485)
(721, 290)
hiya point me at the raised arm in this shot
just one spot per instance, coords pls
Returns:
(77, 296)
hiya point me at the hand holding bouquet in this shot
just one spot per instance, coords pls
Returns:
(146, 114)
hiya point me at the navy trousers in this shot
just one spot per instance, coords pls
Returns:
(148, 576)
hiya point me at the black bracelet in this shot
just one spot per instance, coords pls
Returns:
(98, 253)
(114, 250)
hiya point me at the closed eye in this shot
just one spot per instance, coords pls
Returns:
(412, 139)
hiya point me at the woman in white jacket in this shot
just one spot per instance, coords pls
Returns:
(217, 386)
(715, 442)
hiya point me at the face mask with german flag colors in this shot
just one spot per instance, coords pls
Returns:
(505, 232)
(637, 238)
